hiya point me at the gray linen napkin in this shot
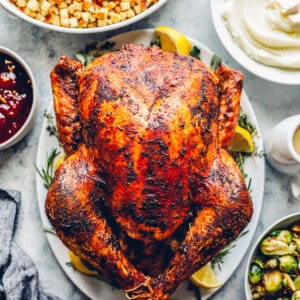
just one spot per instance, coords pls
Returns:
(18, 274)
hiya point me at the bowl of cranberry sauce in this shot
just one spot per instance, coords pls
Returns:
(17, 98)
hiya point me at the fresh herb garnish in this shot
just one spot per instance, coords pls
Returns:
(49, 230)
(218, 260)
(51, 128)
(48, 172)
(215, 62)
(92, 51)
(155, 42)
(245, 122)
(194, 289)
(195, 52)
(239, 157)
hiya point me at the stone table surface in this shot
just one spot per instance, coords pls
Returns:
(41, 49)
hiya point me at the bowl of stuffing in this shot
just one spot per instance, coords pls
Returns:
(82, 16)
(18, 98)
(272, 270)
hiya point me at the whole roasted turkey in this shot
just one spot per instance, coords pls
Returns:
(148, 193)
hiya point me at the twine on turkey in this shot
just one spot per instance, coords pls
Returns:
(136, 293)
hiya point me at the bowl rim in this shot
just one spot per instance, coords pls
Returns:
(284, 221)
(12, 9)
(27, 125)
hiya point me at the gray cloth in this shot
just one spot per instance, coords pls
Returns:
(18, 274)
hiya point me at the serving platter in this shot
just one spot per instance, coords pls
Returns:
(278, 75)
(12, 9)
(254, 167)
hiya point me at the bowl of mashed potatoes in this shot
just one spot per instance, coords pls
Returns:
(81, 16)
(262, 35)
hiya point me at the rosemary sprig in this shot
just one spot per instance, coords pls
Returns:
(48, 172)
(239, 158)
(218, 260)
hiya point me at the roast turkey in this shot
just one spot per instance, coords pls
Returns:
(147, 193)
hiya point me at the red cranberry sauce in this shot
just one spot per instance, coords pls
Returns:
(15, 97)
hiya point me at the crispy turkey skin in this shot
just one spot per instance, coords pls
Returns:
(148, 193)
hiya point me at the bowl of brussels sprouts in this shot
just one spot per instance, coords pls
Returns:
(273, 267)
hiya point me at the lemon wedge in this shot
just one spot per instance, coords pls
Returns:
(79, 266)
(205, 278)
(172, 40)
(242, 141)
(59, 161)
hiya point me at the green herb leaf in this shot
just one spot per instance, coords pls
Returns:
(49, 230)
(215, 62)
(81, 57)
(92, 51)
(48, 172)
(195, 52)
(218, 260)
(155, 42)
(245, 122)
(51, 128)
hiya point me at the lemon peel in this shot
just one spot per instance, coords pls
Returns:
(172, 40)
(205, 277)
(79, 266)
(242, 140)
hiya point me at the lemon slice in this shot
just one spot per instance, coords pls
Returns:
(79, 266)
(172, 40)
(242, 140)
(205, 277)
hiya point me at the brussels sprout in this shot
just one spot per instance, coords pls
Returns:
(275, 232)
(271, 246)
(287, 263)
(297, 283)
(296, 295)
(296, 241)
(257, 292)
(288, 282)
(272, 281)
(258, 260)
(271, 263)
(285, 236)
(255, 273)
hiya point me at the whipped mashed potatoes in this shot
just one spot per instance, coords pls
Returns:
(267, 30)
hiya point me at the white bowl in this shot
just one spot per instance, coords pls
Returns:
(280, 224)
(11, 8)
(25, 128)
(273, 74)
